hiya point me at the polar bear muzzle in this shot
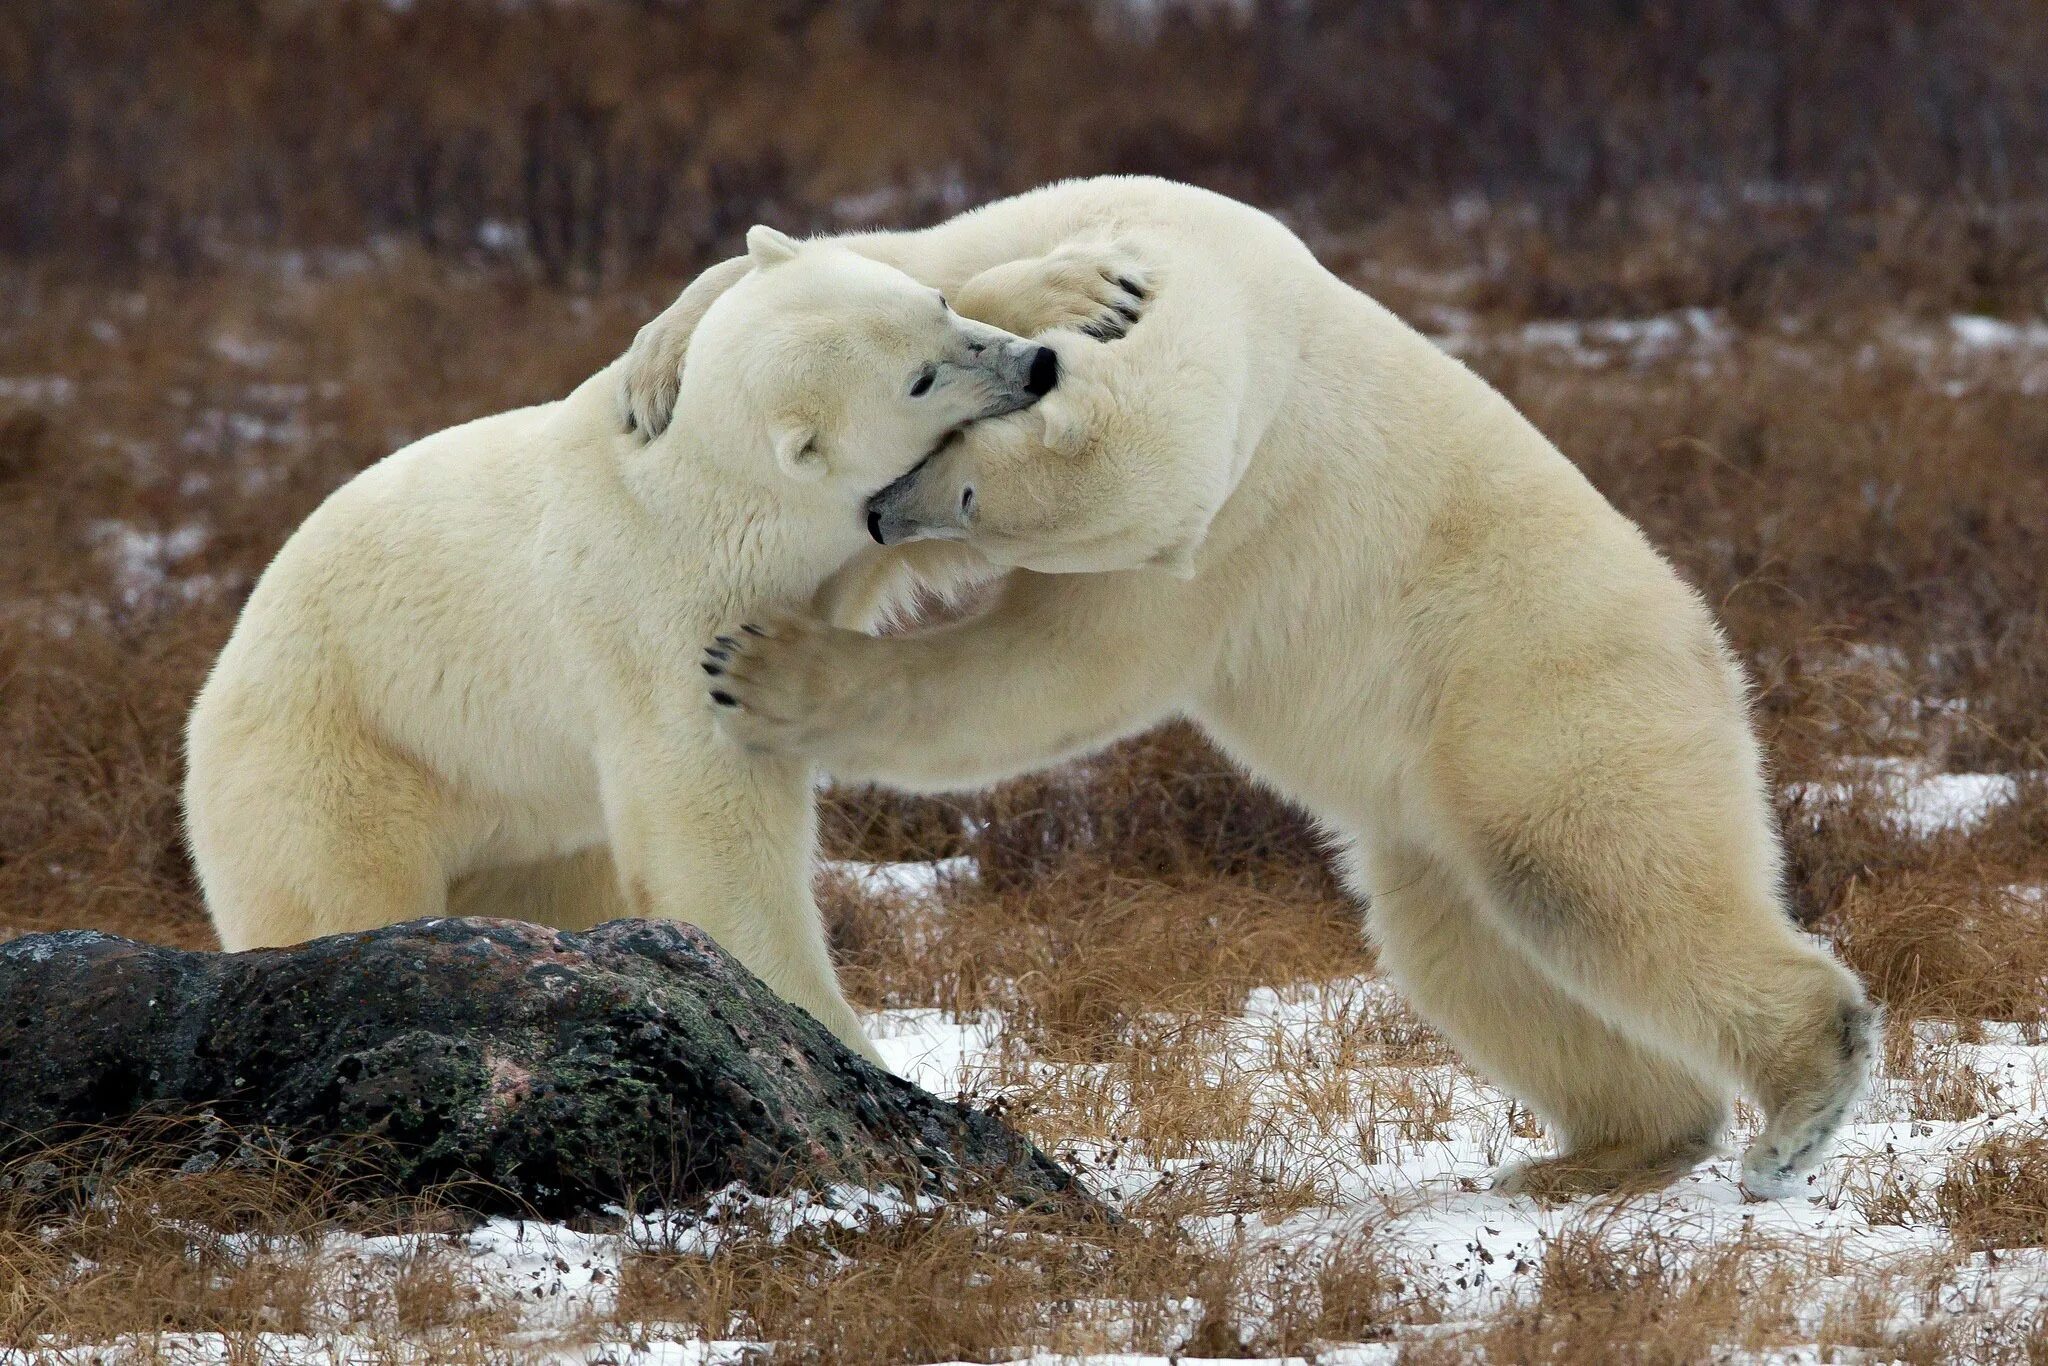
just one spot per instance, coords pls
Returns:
(912, 509)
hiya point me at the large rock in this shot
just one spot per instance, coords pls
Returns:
(625, 1065)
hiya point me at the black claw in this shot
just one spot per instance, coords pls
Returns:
(719, 655)
(1127, 313)
(1101, 331)
(727, 641)
(754, 630)
(725, 699)
(713, 669)
(1129, 286)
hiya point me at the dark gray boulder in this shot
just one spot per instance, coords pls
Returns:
(538, 1070)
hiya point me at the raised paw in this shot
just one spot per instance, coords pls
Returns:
(650, 374)
(650, 380)
(1097, 288)
(782, 684)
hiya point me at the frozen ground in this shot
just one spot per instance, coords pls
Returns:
(1423, 1193)
(1916, 800)
(1400, 1145)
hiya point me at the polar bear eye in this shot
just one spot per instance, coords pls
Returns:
(923, 384)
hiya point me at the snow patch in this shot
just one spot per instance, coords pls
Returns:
(142, 561)
(1918, 802)
(1995, 334)
(50, 389)
(916, 881)
(1593, 343)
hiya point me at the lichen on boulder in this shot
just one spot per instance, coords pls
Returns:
(533, 1070)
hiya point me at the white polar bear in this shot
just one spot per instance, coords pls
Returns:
(468, 681)
(1369, 579)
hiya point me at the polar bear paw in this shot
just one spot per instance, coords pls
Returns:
(1097, 288)
(786, 684)
(650, 381)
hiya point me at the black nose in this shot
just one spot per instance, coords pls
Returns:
(1045, 372)
(875, 525)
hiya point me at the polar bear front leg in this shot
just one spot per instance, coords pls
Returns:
(1059, 666)
(731, 854)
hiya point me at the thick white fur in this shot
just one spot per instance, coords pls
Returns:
(1373, 582)
(469, 682)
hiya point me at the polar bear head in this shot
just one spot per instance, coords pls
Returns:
(1116, 471)
(838, 373)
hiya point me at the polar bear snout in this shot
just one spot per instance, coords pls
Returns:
(1014, 374)
(921, 506)
(1045, 372)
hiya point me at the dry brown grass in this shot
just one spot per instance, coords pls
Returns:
(939, 1288)
(1121, 911)
(1996, 1195)
(1612, 1292)
(1643, 1299)
(132, 1233)
(245, 257)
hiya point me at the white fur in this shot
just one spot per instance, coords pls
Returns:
(470, 681)
(1391, 598)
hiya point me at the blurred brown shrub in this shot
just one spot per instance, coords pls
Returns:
(575, 136)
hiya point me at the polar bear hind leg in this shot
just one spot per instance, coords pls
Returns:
(1682, 954)
(321, 833)
(1622, 1114)
(569, 892)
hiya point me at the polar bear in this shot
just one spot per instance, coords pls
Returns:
(465, 683)
(1362, 572)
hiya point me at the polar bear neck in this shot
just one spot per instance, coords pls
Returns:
(776, 542)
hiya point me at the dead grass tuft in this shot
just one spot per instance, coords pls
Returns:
(1943, 945)
(933, 1287)
(1996, 1194)
(1612, 1292)
(134, 1232)
(939, 1288)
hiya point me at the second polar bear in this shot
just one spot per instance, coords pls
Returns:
(468, 681)
(1374, 583)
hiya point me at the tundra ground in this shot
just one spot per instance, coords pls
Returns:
(1142, 958)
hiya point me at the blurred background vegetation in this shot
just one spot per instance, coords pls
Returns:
(577, 139)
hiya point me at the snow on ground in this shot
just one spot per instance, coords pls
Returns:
(902, 879)
(1424, 1193)
(40, 390)
(1697, 334)
(1961, 355)
(1422, 1189)
(1996, 334)
(1956, 356)
(1919, 801)
(344, 1349)
(143, 561)
(1402, 1147)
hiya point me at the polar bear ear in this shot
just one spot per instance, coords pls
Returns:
(797, 453)
(769, 247)
(1064, 430)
